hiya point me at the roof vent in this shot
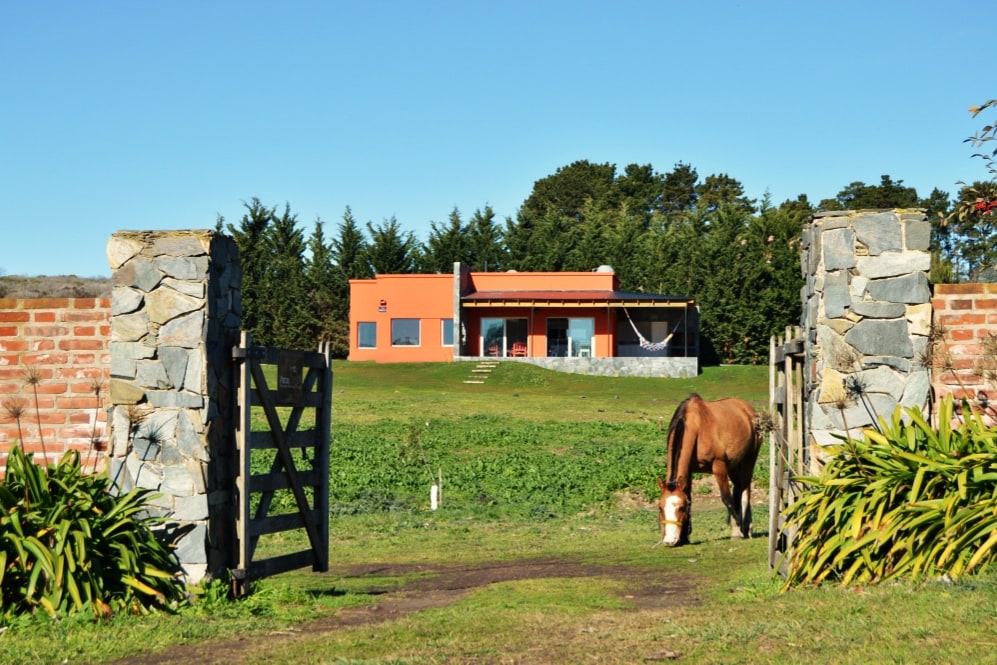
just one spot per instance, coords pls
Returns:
(605, 268)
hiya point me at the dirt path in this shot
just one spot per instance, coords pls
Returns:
(439, 585)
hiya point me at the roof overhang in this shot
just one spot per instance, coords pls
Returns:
(573, 299)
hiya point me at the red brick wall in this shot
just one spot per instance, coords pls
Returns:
(965, 314)
(64, 342)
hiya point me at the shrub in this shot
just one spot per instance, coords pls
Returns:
(68, 544)
(909, 500)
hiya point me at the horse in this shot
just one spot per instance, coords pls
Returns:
(719, 437)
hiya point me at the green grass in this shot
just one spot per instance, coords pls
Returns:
(570, 430)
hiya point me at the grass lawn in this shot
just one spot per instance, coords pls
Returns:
(541, 552)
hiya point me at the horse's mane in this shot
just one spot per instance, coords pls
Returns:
(676, 430)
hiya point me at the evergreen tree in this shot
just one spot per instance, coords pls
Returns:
(349, 250)
(330, 321)
(567, 191)
(640, 192)
(485, 249)
(887, 194)
(250, 237)
(518, 237)
(719, 191)
(348, 255)
(943, 257)
(285, 310)
(679, 193)
(390, 251)
(552, 243)
(445, 246)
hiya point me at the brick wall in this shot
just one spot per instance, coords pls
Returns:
(64, 343)
(964, 316)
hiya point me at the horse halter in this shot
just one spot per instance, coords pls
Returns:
(665, 521)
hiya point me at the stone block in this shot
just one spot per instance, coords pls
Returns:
(893, 264)
(164, 304)
(917, 233)
(839, 249)
(187, 331)
(125, 300)
(125, 392)
(875, 337)
(909, 289)
(880, 232)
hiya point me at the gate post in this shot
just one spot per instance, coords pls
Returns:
(866, 319)
(175, 315)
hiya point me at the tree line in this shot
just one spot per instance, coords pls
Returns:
(672, 233)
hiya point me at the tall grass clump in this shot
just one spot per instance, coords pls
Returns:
(906, 500)
(68, 544)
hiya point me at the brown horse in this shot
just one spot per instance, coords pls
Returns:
(718, 437)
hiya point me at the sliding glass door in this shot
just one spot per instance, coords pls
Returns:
(570, 338)
(499, 336)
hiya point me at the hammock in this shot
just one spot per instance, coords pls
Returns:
(652, 346)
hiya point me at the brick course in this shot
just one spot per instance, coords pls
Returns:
(64, 342)
(963, 319)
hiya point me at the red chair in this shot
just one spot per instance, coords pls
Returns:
(518, 349)
(493, 350)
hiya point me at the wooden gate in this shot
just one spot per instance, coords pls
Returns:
(787, 452)
(290, 455)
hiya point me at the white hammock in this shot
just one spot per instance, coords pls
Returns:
(652, 346)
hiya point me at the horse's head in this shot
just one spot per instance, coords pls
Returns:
(673, 512)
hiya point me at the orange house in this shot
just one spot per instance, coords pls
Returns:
(559, 317)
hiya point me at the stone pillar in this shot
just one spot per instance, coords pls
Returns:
(866, 318)
(175, 316)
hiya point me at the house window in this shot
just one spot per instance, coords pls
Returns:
(404, 332)
(498, 336)
(367, 335)
(446, 331)
(570, 337)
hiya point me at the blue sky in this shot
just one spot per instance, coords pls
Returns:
(163, 115)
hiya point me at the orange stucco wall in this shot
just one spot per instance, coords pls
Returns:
(605, 328)
(536, 281)
(428, 298)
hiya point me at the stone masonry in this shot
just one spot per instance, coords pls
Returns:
(866, 318)
(175, 315)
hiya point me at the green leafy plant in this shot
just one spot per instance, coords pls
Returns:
(67, 544)
(909, 500)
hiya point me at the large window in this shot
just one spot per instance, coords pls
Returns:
(404, 332)
(570, 337)
(367, 335)
(446, 331)
(499, 337)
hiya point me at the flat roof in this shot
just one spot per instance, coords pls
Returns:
(564, 298)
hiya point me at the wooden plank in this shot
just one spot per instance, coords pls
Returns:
(308, 438)
(270, 482)
(244, 547)
(773, 453)
(283, 522)
(268, 355)
(281, 564)
(309, 400)
(323, 419)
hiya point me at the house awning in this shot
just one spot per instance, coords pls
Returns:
(573, 299)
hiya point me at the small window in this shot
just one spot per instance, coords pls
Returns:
(367, 335)
(446, 333)
(404, 332)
